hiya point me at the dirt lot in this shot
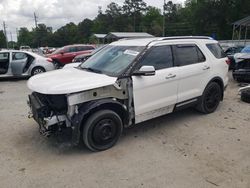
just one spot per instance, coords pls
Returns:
(185, 149)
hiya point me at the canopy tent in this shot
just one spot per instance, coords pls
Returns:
(241, 26)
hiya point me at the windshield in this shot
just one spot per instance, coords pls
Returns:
(246, 49)
(112, 60)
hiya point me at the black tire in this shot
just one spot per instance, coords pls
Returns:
(102, 130)
(245, 96)
(37, 70)
(210, 99)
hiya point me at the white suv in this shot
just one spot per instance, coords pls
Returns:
(128, 82)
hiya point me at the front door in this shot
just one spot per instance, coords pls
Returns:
(18, 62)
(155, 95)
(68, 55)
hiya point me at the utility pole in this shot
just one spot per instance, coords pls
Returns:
(5, 33)
(134, 20)
(163, 24)
(11, 40)
(17, 34)
(35, 19)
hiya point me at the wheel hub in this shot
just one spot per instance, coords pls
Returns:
(104, 131)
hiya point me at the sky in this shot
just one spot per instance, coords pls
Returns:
(53, 13)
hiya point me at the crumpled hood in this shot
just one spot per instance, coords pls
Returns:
(65, 81)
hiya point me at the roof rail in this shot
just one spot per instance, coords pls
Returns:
(187, 37)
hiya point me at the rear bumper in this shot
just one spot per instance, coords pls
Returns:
(49, 67)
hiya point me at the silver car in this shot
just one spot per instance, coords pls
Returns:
(22, 63)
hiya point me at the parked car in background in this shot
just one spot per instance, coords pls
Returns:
(225, 46)
(230, 51)
(106, 94)
(66, 54)
(25, 48)
(241, 71)
(19, 63)
(83, 57)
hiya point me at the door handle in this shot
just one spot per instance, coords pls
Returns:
(170, 76)
(206, 67)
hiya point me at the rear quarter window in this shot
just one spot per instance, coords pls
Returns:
(188, 54)
(216, 50)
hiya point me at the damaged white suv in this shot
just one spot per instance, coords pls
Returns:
(128, 82)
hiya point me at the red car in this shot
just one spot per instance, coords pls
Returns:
(66, 54)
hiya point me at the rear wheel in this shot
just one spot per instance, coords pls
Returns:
(210, 99)
(102, 130)
(245, 96)
(37, 70)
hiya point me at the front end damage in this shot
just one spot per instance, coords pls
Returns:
(242, 68)
(54, 113)
(49, 111)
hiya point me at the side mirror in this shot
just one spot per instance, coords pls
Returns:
(61, 52)
(145, 71)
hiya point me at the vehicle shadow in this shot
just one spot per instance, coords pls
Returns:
(62, 141)
(13, 79)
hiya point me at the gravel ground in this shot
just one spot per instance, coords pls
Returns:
(180, 150)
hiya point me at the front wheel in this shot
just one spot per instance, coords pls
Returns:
(102, 130)
(210, 99)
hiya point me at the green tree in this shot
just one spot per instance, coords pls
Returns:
(152, 21)
(66, 35)
(134, 9)
(25, 37)
(41, 35)
(84, 30)
(2, 39)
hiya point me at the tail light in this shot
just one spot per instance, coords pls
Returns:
(49, 60)
(228, 62)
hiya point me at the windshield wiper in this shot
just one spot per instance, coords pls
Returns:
(90, 69)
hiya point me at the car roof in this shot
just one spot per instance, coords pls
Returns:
(153, 40)
(72, 45)
(30, 53)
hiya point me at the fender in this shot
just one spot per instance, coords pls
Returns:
(219, 81)
(88, 108)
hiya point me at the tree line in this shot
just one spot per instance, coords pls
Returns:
(196, 17)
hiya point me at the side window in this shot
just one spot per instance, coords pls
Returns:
(4, 57)
(188, 54)
(81, 48)
(18, 56)
(89, 48)
(72, 49)
(159, 56)
(216, 50)
(66, 50)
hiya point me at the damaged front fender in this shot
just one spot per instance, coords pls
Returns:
(87, 109)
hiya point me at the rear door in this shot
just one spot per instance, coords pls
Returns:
(193, 71)
(18, 62)
(155, 95)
